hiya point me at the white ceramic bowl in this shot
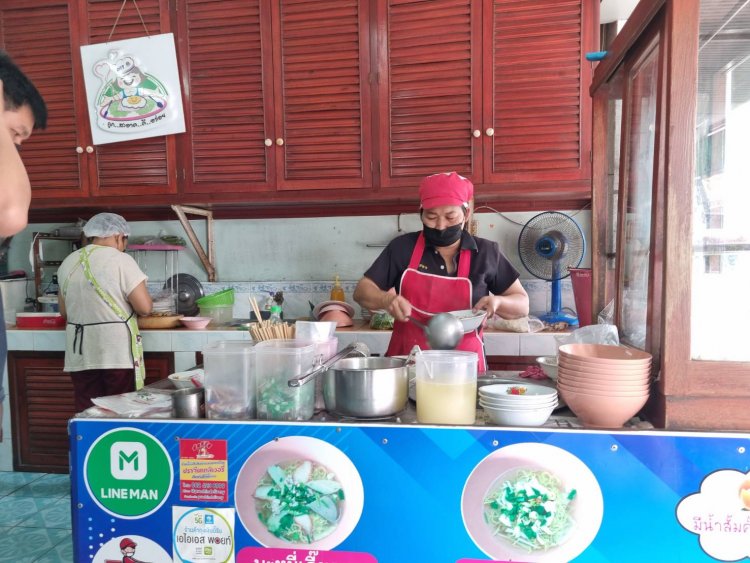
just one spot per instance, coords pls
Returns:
(512, 403)
(469, 319)
(187, 379)
(548, 365)
(195, 323)
(510, 417)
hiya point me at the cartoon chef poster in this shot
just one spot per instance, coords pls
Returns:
(133, 89)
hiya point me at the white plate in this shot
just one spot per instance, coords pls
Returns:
(587, 509)
(469, 319)
(531, 392)
(299, 448)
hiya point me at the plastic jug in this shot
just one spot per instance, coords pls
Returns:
(446, 387)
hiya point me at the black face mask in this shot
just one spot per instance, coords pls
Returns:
(442, 237)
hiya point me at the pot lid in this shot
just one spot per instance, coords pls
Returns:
(189, 290)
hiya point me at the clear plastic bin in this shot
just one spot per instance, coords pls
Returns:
(278, 361)
(229, 380)
(220, 314)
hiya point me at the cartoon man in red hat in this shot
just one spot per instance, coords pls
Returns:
(127, 548)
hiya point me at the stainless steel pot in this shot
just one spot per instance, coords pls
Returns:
(368, 387)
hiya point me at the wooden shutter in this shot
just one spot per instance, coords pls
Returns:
(227, 94)
(323, 66)
(38, 37)
(144, 166)
(536, 92)
(430, 95)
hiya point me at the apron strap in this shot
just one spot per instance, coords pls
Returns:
(416, 255)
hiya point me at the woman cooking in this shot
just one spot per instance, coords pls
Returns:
(101, 290)
(440, 269)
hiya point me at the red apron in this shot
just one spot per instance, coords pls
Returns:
(430, 294)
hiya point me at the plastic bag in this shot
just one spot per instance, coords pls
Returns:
(524, 324)
(607, 315)
(592, 334)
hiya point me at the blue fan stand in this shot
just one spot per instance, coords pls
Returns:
(555, 314)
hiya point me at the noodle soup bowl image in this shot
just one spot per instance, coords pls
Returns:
(299, 492)
(532, 502)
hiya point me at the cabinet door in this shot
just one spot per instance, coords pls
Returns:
(41, 35)
(537, 123)
(322, 117)
(41, 403)
(146, 166)
(429, 90)
(226, 63)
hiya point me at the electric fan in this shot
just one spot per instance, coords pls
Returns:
(548, 245)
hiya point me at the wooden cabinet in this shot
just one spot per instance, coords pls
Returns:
(44, 37)
(41, 403)
(278, 96)
(321, 102)
(494, 90)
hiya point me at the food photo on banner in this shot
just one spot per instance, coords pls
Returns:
(133, 89)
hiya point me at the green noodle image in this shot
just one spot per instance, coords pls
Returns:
(530, 510)
(299, 501)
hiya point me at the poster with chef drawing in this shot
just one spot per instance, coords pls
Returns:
(133, 89)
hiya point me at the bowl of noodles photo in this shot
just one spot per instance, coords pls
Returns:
(299, 492)
(532, 502)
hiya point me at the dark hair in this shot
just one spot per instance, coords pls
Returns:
(19, 91)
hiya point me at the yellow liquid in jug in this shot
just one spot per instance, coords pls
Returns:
(446, 403)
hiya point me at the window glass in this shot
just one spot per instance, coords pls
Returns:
(636, 242)
(720, 304)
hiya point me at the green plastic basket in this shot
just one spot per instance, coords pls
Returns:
(223, 297)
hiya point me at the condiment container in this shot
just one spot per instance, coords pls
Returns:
(229, 380)
(278, 361)
(188, 403)
(446, 387)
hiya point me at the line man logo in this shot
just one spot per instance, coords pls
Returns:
(128, 473)
(128, 461)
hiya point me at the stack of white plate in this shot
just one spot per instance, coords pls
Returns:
(518, 404)
(604, 385)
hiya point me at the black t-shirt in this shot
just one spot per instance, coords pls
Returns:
(490, 270)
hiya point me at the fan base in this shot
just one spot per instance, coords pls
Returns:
(558, 317)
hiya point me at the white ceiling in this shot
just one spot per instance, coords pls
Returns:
(615, 10)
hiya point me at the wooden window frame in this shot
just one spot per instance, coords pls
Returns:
(690, 394)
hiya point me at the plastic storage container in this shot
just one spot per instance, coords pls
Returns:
(278, 361)
(446, 387)
(220, 314)
(229, 380)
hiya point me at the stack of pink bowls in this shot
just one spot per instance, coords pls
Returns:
(604, 385)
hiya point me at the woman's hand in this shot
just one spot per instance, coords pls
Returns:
(489, 303)
(396, 305)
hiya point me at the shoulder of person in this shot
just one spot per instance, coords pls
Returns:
(486, 245)
(407, 239)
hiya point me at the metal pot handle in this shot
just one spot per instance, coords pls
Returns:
(357, 347)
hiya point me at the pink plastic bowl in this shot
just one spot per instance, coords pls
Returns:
(605, 354)
(599, 368)
(195, 323)
(597, 411)
(568, 375)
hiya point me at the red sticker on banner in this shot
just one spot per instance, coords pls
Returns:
(203, 471)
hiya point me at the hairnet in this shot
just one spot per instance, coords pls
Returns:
(106, 225)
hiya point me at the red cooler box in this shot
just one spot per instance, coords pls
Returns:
(39, 320)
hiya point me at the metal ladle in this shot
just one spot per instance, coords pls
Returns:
(443, 331)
